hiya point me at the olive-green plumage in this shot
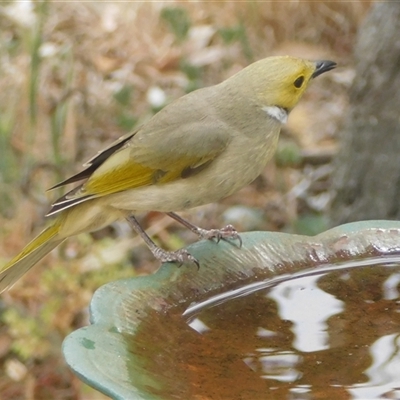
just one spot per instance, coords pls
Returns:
(199, 149)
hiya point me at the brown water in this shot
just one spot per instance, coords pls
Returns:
(332, 335)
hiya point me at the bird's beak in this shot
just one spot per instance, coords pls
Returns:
(323, 66)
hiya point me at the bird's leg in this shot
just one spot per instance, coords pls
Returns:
(226, 233)
(180, 256)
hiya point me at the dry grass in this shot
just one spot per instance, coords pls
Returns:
(73, 77)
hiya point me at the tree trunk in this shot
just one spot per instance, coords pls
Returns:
(366, 181)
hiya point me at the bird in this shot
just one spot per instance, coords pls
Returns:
(199, 149)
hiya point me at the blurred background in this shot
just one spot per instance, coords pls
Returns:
(76, 76)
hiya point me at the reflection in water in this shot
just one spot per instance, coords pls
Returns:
(281, 367)
(308, 307)
(328, 336)
(384, 372)
(390, 287)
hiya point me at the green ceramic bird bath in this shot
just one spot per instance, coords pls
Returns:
(284, 316)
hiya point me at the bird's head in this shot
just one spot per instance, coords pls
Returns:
(279, 81)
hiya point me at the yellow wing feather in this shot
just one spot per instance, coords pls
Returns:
(129, 175)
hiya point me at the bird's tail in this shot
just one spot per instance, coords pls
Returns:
(30, 255)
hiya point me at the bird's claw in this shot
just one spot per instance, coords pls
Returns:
(180, 257)
(226, 233)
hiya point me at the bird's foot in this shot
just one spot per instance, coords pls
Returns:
(226, 233)
(180, 257)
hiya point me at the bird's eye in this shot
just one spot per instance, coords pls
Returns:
(299, 81)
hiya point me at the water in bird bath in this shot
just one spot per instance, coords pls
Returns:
(330, 334)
